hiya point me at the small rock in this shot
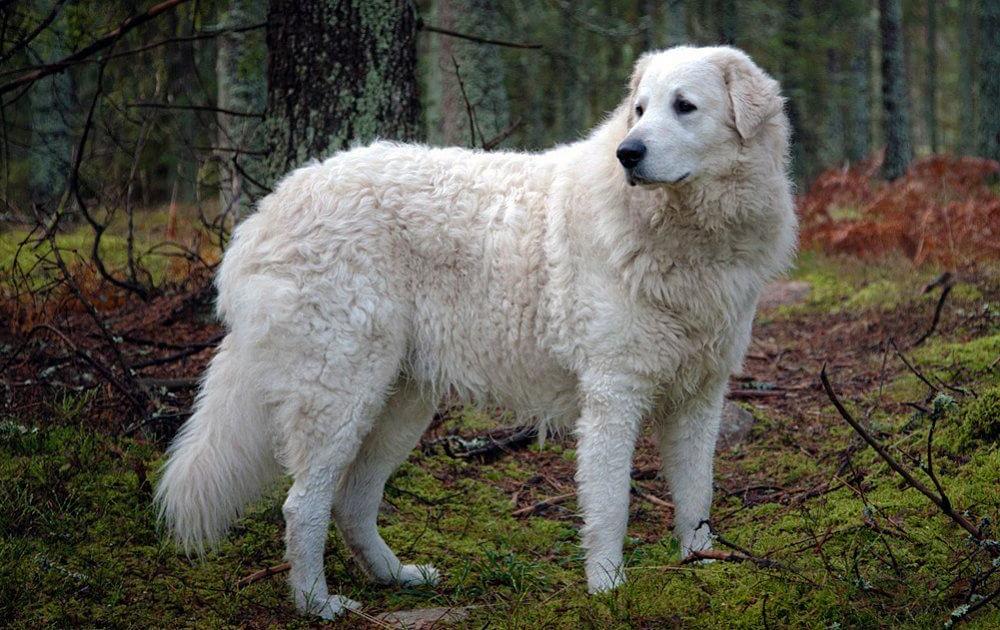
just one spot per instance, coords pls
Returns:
(423, 618)
(736, 425)
(784, 292)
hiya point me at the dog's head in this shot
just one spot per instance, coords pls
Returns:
(692, 110)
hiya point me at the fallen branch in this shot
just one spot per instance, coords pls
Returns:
(257, 576)
(637, 474)
(940, 501)
(541, 505)
(747, 394)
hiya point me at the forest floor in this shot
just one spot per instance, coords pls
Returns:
(815, 528)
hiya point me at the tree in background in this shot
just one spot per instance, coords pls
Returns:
(989, 79)
(339, 72)
(966, 79)
(51, 101)
(930, 90)
(791, 85)
(898, 148)
(676, 27)
(465, 80)
(859, 134)
(241, 87)
(728, 22)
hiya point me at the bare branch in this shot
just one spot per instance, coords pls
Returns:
(100, 44)
(478, 40)
(944, 505)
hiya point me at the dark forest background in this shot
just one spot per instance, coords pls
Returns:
(196, 99)
(856, 480)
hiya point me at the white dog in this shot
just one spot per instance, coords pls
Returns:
(592, 285)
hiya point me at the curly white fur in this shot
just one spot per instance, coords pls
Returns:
(371, 283)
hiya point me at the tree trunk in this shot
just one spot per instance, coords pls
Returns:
(989, 79)
(242, 87)
(728, 22)
(339, 72)
(833, 150)
(676, 26)
(481, 70)
(51, 145)
(859, 135)
(966, 79)
(930, 94)
(793, 89)
(898, 148)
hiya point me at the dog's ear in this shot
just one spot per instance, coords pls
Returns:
(755, 97)
(640, 68)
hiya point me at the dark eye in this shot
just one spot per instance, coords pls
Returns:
(638, 111)
(682, 106)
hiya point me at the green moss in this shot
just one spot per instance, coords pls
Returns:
(981, 418)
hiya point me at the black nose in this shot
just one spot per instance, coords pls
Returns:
(630, 153)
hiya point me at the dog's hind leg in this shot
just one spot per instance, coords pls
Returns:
(327, 430)
(396, 432)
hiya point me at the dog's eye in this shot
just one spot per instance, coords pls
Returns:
(638, 111)
(683, 106)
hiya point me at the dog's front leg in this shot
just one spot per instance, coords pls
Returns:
(609, 424)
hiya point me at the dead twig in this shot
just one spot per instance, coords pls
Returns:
(946, 283)
(541, 505)
(257, 576)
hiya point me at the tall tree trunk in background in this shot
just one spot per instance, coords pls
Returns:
(859, 132)
(728, 22)
(242, 87)
(572, 113)
(930, 94)
(832, 147)
(51, 144)
(339, 71)
(966, 79)
(898, 147)
(989, 79)
(792, 84)
(480, 68)
(676, 27)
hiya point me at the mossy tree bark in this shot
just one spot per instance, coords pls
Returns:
(898, 147)
(989, 79)
(339, 72)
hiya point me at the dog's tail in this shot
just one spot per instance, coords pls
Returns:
(221, 460)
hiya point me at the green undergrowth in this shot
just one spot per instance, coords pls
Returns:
(843, 543)
(75, 243)
(841, 284)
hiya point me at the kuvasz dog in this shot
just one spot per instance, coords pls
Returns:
(591, 286)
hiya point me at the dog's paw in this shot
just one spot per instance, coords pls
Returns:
(418, 575)
(604, 581)
(330, 608)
